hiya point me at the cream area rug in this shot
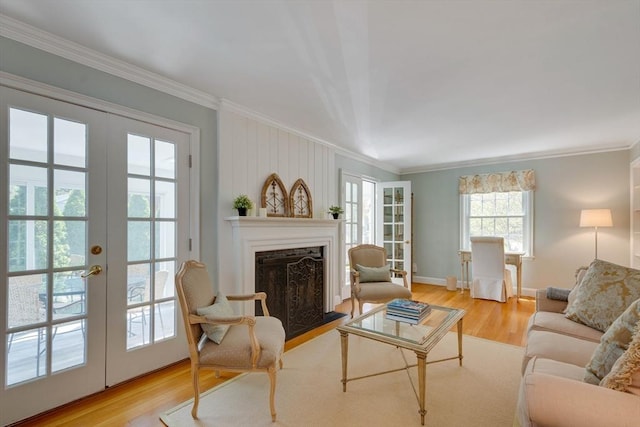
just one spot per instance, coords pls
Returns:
(481, 392)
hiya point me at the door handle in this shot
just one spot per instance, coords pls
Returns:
(94, 270)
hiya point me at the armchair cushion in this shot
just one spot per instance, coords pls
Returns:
(220, 308)
(605, 292)
(235, 350)
(613, 344)
(374, 274)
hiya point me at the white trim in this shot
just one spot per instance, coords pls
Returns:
(513, 158)
(53, 92)
(35, 37)
(437, 281)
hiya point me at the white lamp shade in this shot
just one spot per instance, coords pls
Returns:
(596, 218)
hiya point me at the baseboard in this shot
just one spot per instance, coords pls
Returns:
(526, 292)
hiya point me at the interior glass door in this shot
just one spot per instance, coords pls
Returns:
(394, 224)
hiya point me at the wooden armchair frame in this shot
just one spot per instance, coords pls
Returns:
(197, 340)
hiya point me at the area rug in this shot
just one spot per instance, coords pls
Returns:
(481, 392)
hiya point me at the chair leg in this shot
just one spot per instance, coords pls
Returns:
(272, 392)
(360, 306)
(196, 391)
(353, 304)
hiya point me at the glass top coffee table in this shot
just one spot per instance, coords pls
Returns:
(419, 338)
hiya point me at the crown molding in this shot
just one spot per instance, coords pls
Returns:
(35, 37)
(514, 158)
(227, 105)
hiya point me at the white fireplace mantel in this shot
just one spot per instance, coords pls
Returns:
(259, 234)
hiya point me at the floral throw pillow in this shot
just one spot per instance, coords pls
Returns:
(625, 374)
(613, 344)
(605, 292)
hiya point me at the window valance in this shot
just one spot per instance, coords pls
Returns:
(498, 182)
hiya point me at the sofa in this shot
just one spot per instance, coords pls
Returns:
(578, 349)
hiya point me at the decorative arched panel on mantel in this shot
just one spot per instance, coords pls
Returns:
(274, 197)
(300, 201)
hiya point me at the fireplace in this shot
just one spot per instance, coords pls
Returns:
(255, 235)
(293, 280)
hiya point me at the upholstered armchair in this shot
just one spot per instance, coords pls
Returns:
(371, 277)
(244, 343)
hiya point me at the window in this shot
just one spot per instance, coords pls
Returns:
(500, 214)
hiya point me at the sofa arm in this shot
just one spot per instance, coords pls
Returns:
(562, 402)
(545, 304)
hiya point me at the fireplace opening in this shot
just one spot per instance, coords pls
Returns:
(293, 280)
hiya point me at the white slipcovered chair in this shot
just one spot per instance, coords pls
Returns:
(491, 278)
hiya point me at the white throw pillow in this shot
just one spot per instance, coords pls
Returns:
(219, 308)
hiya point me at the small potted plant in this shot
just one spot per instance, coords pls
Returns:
(242, 203)
(335, 211)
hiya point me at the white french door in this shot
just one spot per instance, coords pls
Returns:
(149, 208)
(94, 217)
(394, 224)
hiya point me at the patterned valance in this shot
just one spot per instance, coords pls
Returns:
(498, 182)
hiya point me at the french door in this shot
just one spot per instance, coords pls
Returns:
(94, 218)
(394, 224)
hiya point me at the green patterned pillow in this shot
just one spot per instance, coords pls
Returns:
(613, 344)
(605, 292)
(374, 274)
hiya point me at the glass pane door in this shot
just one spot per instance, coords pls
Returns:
(150, 190)
(53, 204)
(394, 224)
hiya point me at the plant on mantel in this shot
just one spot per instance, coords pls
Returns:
(242, 203)
(335, 211)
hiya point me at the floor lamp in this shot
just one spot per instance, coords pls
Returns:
(596, 218)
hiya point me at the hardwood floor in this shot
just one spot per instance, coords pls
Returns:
(139, 402)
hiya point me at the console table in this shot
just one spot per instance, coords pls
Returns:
(512, 258)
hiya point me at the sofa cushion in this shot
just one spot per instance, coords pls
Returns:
(541, 365)
(557, 322)
(605, 292)
(559, 347)
(613, 344)
(625, 373)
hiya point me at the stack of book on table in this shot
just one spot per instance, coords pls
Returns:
(406, 310)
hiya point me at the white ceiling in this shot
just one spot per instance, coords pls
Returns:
(414, 84)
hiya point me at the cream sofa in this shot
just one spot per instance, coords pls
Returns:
(552, 391)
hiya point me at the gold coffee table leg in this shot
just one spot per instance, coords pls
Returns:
(460, 341)
(422, 384)
(344, 346)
